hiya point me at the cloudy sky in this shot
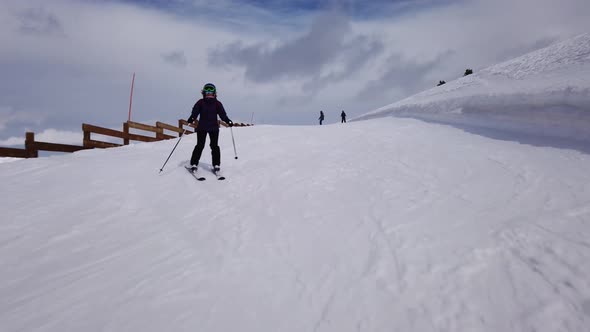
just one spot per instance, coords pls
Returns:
(65, 62)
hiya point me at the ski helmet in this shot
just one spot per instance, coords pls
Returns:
(209, 89)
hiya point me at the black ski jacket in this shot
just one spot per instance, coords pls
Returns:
(208, 109)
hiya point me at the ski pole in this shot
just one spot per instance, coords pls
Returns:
(161, 169)
(233, 141)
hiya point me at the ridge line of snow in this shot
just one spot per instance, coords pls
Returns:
(544, 93)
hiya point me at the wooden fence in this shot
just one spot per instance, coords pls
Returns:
(158, 132)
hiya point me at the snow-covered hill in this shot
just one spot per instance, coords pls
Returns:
(544, 93)
(389, 224)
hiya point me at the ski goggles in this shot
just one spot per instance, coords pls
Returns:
(209, 89)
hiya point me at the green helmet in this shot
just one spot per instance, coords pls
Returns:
(209, 89)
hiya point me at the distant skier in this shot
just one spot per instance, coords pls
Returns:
(321, 118)
(343, 116)
(207, 109)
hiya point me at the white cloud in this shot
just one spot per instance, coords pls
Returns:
(9, 116)
(83, 73)
(13, 141)
(175, 58)
(48, 135)
(57, 136)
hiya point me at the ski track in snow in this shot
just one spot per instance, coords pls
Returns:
(381, 225)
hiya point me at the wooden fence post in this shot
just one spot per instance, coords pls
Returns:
(160, 134)
(126, 133)
(32, 151)
(86, 139)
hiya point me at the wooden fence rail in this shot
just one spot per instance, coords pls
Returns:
(88, 129)
(33, 147)
(141, 138)
(13, 152)
(165, 126)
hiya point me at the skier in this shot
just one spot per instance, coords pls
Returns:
(343, 116)
(321, 118)
(208, 108)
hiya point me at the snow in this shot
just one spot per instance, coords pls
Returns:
(8, 159)
(546, 93)
(387, 224)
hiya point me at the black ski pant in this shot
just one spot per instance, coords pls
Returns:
(213, 140)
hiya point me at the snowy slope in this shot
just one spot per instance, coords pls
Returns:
(546, 93)
(389, 224)
(379, 225)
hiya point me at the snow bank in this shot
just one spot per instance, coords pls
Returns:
(546, 92)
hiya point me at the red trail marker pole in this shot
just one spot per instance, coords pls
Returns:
(131, 97)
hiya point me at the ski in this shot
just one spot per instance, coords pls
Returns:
(199, 178)
(218, 174)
